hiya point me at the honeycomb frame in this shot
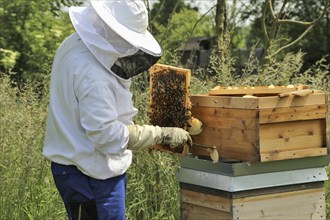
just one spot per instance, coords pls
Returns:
(169, 102)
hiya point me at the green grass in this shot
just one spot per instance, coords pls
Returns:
(27, 190)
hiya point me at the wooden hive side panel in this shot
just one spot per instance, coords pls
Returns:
(194, 212)
(292, 101)
(259, 90)
(275, 115)
(206, 200)
(198, 205)
(294, 139)
(224, 102)
(302, 204)
(234, 132)
(267, 102)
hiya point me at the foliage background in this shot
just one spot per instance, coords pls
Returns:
(31, 32)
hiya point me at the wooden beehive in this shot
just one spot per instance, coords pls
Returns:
(273, 124)
(303, 201)
(169, 103)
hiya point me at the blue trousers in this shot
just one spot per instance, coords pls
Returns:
(86, 198)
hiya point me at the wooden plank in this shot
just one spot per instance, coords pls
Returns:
(230, 148)
(292, 101)
(158, 67)
(219, 136)
(277, 189)
(285, 155)
(224, 102)
(232, 131)
(258, 90)
(206, 200)
(193, 212)
(296, 135)
(292, 114)
(258, 103)
(224, 112)
(302, 204)
(229, 153)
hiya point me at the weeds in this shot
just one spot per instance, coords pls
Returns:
(27, 190)
(26, 187)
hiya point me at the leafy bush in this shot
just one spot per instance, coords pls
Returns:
(31, 33)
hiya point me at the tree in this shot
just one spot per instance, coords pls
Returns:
(277, 21)
(178, 27)
(221, 26)
(31, 32)
(163, 10)
(294, 25)
(222, 36)
(319, 35)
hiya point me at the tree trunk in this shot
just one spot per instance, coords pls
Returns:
(221, 28)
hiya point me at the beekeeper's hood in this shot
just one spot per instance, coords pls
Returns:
(115, 31)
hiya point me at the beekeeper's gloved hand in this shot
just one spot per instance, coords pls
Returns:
(175, 137)
(143, 136)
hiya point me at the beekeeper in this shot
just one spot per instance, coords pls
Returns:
(90, 131)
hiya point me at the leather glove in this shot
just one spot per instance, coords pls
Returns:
(143, 136)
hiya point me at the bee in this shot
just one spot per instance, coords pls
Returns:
(168, 94)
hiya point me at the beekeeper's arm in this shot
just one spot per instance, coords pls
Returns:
(98, 116)
(144, 136)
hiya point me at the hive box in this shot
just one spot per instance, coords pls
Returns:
(265, 128)
(294, 190)
(303, 201)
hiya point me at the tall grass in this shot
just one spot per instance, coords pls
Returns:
(27, 190)
(26, 187)
(152, 192)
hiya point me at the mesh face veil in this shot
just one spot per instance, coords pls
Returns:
(129, 66)
(116, 34)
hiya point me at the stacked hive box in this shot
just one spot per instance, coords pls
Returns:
(269, 190)
(271, 140)
(273, 147)
(264, 128)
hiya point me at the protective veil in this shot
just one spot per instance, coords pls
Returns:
(113, 52)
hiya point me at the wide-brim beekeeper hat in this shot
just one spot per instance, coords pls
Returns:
(115, 31)
(129, 19)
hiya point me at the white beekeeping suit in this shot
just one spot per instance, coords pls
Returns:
(90, 118)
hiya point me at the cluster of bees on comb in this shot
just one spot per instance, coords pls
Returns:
(168, 106)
